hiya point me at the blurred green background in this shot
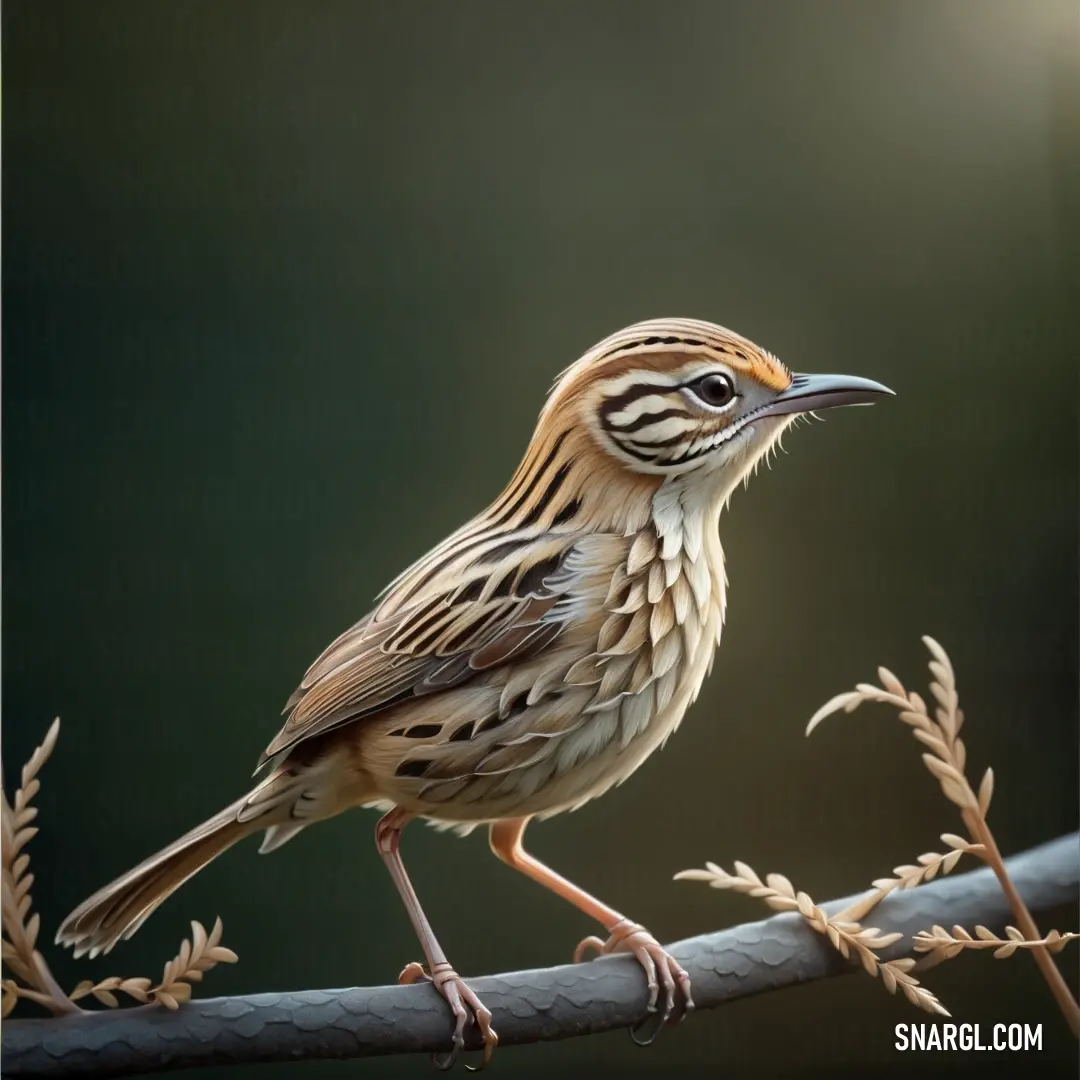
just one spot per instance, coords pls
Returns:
(284, 287)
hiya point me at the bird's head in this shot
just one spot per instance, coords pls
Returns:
(668, 401)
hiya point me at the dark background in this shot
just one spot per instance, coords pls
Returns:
(284, 287)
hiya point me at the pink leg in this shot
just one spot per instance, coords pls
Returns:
(443, 977)
(505, 838)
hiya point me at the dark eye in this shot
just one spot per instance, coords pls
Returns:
(714, 389)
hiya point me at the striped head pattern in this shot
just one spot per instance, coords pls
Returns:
(670, 396)
(660, 402)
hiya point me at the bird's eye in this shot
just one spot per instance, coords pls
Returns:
(714, 389)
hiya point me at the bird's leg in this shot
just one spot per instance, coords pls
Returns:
(661, 968)
(447, 981)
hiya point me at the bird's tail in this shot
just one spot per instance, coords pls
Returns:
(119, 909)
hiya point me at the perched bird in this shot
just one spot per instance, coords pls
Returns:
(537, 656)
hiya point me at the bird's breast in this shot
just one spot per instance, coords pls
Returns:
(654, 652)
(567, 725)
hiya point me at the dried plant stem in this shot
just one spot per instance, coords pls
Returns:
(979, 830)
(946, 760)
(845, 935)
(20, 927)
(940, 944)
(907, 877)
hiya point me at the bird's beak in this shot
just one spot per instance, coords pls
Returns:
(809, 392)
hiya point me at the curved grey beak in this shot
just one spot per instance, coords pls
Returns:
(808, 392)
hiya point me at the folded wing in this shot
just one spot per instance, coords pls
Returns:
(439, 626)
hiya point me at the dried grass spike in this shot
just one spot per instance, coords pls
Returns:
(844, 934)
(940, 940)
(21, 927)
(194, 958)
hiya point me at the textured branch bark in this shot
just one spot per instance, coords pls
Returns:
(528, 1006)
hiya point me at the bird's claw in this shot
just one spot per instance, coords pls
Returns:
(464, 1004)
(661, 970)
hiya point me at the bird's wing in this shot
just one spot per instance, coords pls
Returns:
(471, 608)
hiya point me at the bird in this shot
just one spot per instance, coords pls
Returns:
(537, 656)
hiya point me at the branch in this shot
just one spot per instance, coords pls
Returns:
(528, 1006)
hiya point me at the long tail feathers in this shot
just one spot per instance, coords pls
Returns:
(119, 909)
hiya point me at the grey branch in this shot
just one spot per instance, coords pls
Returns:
(528, 1006)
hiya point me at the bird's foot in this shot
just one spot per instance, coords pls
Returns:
(661, 970)
(464, 1004)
